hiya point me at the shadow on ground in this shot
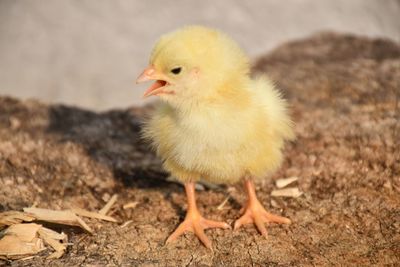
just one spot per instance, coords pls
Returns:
(113, 139)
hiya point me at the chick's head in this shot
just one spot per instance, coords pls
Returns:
(193, 63)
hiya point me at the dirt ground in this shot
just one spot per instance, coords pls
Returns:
(344, 93)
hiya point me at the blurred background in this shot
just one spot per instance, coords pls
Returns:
(89, 53)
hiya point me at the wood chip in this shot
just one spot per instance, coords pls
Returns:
(26, 258)
(56, 216)
(13, 217)
(93, 215)
(65, 217)
(25, 231)
(287, 192)
(54, 243)
(20, 240)
(125, 224)
(280, 183)
(56, 255)
(274, 204)
(12, 247)
(199, 187)
(221, 206)
(53, 239)
(109, 205)
(53, 234)
(84, 225)
(130, 205)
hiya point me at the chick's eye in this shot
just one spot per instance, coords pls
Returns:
(176, 70)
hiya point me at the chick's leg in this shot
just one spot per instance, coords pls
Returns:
(255, 213)
(194, 222)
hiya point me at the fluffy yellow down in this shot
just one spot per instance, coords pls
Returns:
(228, 126)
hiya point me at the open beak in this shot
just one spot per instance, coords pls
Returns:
(158, 87)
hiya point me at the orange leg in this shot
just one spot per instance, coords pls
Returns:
(194, 222)
(255, 213)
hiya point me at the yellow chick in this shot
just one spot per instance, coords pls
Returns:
(214, 122)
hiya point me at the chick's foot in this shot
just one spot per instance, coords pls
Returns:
(194, 222)
(255, 213)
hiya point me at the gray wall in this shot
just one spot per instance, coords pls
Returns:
(88, 53)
